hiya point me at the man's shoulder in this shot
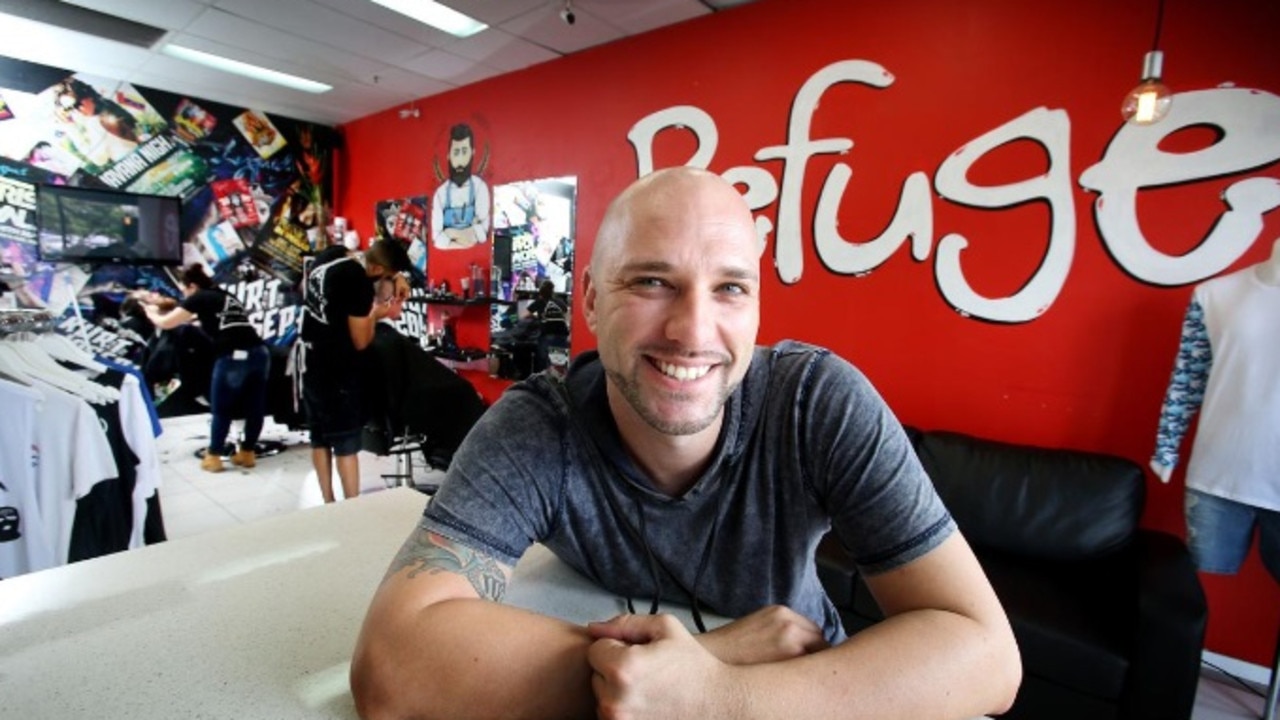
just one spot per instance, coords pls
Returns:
(575, 389)
(791, 357)
(793, 374)
(347, 277)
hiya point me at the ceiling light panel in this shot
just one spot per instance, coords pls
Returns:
(237, 67)
(328, 27)
(214, 28)
(437, 15)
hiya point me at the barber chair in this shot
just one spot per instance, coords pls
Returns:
(401, 444)
(414, 405)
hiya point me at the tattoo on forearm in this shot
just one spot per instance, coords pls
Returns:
(431, 553)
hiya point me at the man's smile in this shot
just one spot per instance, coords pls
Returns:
(682, 373)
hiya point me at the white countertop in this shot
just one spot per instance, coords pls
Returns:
(255, 621)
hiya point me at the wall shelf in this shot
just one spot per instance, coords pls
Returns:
(459, 302)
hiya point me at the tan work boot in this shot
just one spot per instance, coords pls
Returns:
(211, 462)
(245, 458)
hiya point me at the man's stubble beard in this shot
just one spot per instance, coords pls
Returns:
(630, 391)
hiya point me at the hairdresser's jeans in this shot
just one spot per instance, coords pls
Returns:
(239, 383)
(1219, 532)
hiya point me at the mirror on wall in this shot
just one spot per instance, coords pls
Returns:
(533, 247)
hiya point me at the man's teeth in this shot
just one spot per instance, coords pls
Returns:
(682, 372)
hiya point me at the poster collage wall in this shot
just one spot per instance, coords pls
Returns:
(253, 187)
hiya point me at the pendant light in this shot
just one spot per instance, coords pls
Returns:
(1150, 101)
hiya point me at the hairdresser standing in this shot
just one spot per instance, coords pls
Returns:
(240, 370)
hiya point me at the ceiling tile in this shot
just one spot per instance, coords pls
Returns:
(496, 12)
(634, 18)
(374, 57)
(374, 14)
(301, 69)
(408, 83)
(441, 65)
(544, 27)
(502, 50)
(219, 26)
(326, 26)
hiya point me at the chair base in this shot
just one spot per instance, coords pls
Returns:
(403, 449)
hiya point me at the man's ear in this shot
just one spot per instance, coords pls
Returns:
(589, 300)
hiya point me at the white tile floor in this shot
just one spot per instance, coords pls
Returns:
(194, 502)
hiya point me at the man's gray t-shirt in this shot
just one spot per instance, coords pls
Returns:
(807, 445)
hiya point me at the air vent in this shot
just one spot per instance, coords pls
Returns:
(90, 22)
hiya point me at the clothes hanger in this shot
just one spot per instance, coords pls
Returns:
(14, 370)
(26, 362)
(17, 367)
(63, 349)
(40, 366)
(27, 345)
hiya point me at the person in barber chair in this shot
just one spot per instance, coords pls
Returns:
(553, 323)
(682, 463)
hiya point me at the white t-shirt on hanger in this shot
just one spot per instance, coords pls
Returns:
(24, 544)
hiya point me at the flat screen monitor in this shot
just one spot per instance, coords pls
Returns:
(86, 225)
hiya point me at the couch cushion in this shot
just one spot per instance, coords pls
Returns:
(1072, 620)
(1059, 504)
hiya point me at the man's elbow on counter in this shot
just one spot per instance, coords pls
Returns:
(1008, 669)
(370, 699)
(375, 691)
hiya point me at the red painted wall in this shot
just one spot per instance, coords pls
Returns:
(1089, 373)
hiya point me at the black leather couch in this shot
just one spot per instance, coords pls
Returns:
(1109, 617)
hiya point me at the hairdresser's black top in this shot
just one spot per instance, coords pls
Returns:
(224, 319)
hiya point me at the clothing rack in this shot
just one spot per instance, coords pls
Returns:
(23, 320)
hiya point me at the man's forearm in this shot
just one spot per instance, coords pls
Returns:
(921, 664)
(469, 658)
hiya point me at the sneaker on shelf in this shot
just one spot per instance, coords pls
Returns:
(211, 463)
(245, 458)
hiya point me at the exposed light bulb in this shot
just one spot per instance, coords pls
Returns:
(1149, 102)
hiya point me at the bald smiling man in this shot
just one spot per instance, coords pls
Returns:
(680, 462)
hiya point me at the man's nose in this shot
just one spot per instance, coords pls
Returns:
(692, 320)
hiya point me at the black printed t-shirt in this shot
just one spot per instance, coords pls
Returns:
(337, 289)
(224, 319)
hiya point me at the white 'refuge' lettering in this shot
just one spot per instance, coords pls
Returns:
(1133, 162)
(788, 250)
(1052, 130)
(695, 119)
(760, 187)
(1250, 125)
